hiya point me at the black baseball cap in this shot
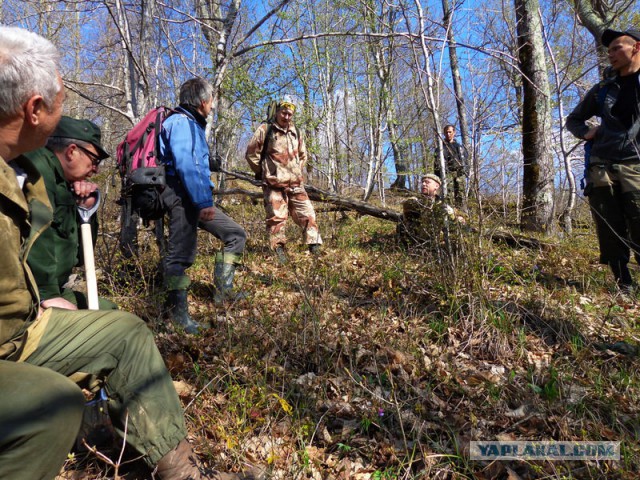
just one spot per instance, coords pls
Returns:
(83, 130)
(609, 35)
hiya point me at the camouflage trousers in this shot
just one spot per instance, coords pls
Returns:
(614, 196)
(279, 203)
(457, 185)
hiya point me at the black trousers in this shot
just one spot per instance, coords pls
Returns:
(183, 233)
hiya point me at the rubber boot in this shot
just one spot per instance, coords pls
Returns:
(182, 463)
(178, 311)
(225, 271)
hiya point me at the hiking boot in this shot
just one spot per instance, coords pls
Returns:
(225, 270)
(182, 463)
(622, 274)
(314, 248)
(178, 311)
(282, 257)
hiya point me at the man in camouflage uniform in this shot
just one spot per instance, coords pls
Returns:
(44, 353)
(613, 169)
(72, 155)
(424, 218)
(277, 155)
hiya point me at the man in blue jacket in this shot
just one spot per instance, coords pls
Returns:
(189, 203)
(613, 175)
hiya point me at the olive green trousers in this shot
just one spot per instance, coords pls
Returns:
(40, 414)
(113, 350)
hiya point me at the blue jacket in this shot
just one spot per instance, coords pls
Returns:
(185, 153)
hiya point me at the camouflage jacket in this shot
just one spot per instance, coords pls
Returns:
(24, 215)
(424, 218)
(285, 158)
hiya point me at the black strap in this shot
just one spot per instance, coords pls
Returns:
(265, 144)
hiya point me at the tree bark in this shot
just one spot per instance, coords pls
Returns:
(320, 195)
(537, 175)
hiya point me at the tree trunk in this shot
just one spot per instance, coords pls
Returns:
(537, 175)
(457, 87)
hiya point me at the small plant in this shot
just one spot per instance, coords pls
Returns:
(389, 473)
(550, 389)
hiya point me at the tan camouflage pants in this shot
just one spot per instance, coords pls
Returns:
(278, 203)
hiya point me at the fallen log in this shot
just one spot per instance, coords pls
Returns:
(512, 239)
(320, 195)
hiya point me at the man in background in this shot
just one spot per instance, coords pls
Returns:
(277, 155)
(425, 217)
(456, 165)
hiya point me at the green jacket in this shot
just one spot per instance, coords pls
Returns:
(58, 249)
(24, 215)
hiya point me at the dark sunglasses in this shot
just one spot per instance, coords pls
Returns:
(95, 160)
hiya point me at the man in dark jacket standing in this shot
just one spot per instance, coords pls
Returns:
(72, 155)
(613, 170)
(187, 199)
(456, 166)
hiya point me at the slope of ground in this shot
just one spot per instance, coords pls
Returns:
(378, 361)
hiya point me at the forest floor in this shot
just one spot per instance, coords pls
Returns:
(379, 361)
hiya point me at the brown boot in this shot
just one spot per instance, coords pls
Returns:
(182, 463)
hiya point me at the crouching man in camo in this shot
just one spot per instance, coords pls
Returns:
(46, 354)
(277, 155)
(424, 217)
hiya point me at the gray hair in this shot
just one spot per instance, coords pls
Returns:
(195, 91)
(28, 66)
(59, 144)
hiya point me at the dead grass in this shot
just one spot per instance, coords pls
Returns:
(375, 361)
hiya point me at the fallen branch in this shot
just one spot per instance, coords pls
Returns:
(320, 195)
(512, 239)
(240, 191)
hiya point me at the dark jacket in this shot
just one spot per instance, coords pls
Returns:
(59, 248)
(455, 159)
(24, 214)
(613, 141)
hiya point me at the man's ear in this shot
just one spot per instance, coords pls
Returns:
(33, 109)
(68, 152)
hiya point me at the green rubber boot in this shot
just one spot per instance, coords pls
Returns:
(225, 270)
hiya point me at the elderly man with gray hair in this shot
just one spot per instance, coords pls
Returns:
(188, 201)
(43, 349)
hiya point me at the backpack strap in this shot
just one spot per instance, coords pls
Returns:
(265, 144)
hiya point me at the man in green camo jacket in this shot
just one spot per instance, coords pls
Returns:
(71, 157)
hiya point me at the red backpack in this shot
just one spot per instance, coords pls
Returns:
(137, 154)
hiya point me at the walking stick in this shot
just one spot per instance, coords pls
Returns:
(87, 250)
